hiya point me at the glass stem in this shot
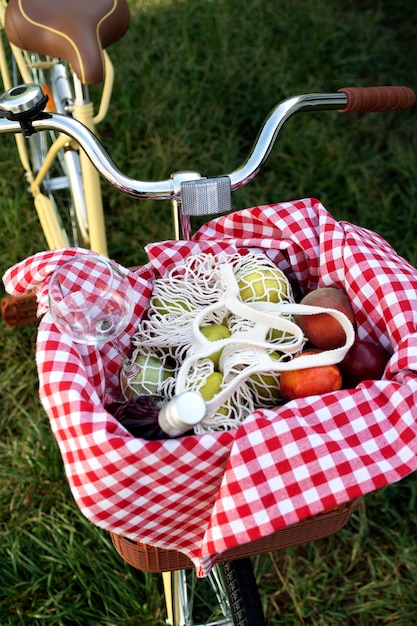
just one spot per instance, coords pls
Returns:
(130, 368)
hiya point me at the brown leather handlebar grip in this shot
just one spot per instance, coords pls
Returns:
(378, 99)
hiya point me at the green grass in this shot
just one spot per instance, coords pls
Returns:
(194, 81)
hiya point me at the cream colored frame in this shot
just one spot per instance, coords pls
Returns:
(84, 112)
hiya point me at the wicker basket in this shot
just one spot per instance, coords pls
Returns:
(19, 310)
(151, 559)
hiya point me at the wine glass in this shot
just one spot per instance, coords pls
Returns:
(92, 301)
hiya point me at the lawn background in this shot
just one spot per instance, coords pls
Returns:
(194, 81)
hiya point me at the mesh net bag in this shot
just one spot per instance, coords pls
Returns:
(209, 492)
(247, 301)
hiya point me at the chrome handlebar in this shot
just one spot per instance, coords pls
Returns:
(170, 188)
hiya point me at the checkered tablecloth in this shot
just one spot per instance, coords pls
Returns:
(203, 494)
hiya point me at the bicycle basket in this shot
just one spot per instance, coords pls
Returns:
(204, 494)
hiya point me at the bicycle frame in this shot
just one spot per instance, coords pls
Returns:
(83, 111)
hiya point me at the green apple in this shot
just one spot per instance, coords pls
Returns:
(215, 332)
(279, 335)
(163, 307)
(148, 379)
(267, 285)
(212, 386)
(267, 385)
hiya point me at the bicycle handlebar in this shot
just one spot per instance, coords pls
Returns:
(345, 100)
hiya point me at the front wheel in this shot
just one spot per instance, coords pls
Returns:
(227, 597)
(242, 592)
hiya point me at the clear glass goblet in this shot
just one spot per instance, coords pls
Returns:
(92, 301)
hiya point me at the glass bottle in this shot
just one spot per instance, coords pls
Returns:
(150, 417)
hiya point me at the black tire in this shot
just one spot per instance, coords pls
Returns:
(227, 597)
(242, 592)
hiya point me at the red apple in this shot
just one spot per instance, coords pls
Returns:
(365, 360)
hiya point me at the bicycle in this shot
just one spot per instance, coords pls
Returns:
(190, 193)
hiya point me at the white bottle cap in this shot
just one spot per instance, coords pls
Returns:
(182, 413)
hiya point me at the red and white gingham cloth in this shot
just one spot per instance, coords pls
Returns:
(203, 494)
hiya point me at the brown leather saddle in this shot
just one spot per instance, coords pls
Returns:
(74, 30)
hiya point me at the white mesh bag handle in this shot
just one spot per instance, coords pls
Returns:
(253, 345)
